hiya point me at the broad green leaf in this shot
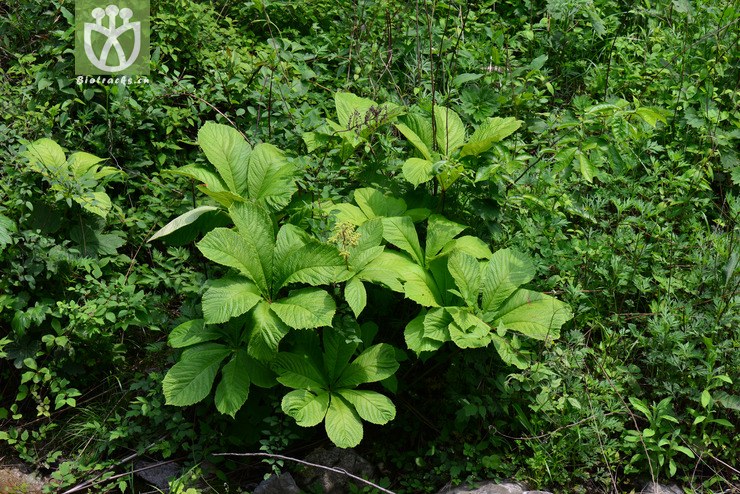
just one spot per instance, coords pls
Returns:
(223, 197)
(182, 221)
(368, 245)
(351, 109)
(254, 224)
(400, 232)
(80, 163)
(588, 170)
(260, 373)
(465, 270)
(306, 407)
(267, 332)
(231, 249)
(650, 116)
(706, 398)
(314, 264)
(355, 295)
(440, 232)
(270, 177)
(371, 406)
(507, 353)
(506, 271)
(346, 213)
(428, 331)
(727, 400)
(415, 140)
(374, 203)
(467, 330)
(420, 285)
(493, 130)
(468, 244)
(418, 171)
(289, 239)
(450, 130)
(232, 391)
(96, 202)
(374, 364)
(422, 127)
(388, 269)
(533, 314)
(343, 424)
(44, 154)
(461, 79)
(538, 62)
(306, 308)
(190, 380)
(229, 297)
(202, 174)
(298, 372)
(337, 353)
(7, 226)
(228, 152)
(192, 332)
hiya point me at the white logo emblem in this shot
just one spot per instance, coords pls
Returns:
(112, 33)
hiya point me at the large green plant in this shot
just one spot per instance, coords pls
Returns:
(278, 282)
(443, 150)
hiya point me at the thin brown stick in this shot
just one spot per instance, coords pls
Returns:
(341, 471)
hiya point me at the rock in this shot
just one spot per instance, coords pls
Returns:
(487, 488)
(655, 488)
(158, 474)
(14, 480)
(537, 492)
(278, 484)
(330, 482)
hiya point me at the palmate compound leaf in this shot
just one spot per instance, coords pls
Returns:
(232, 391)
(190, 380)
(229, 297)
(308, 408)
(371, 406)
(343, 424)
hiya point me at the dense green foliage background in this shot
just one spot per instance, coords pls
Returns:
(621, 184)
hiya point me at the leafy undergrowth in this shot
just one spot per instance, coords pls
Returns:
(472, 241)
